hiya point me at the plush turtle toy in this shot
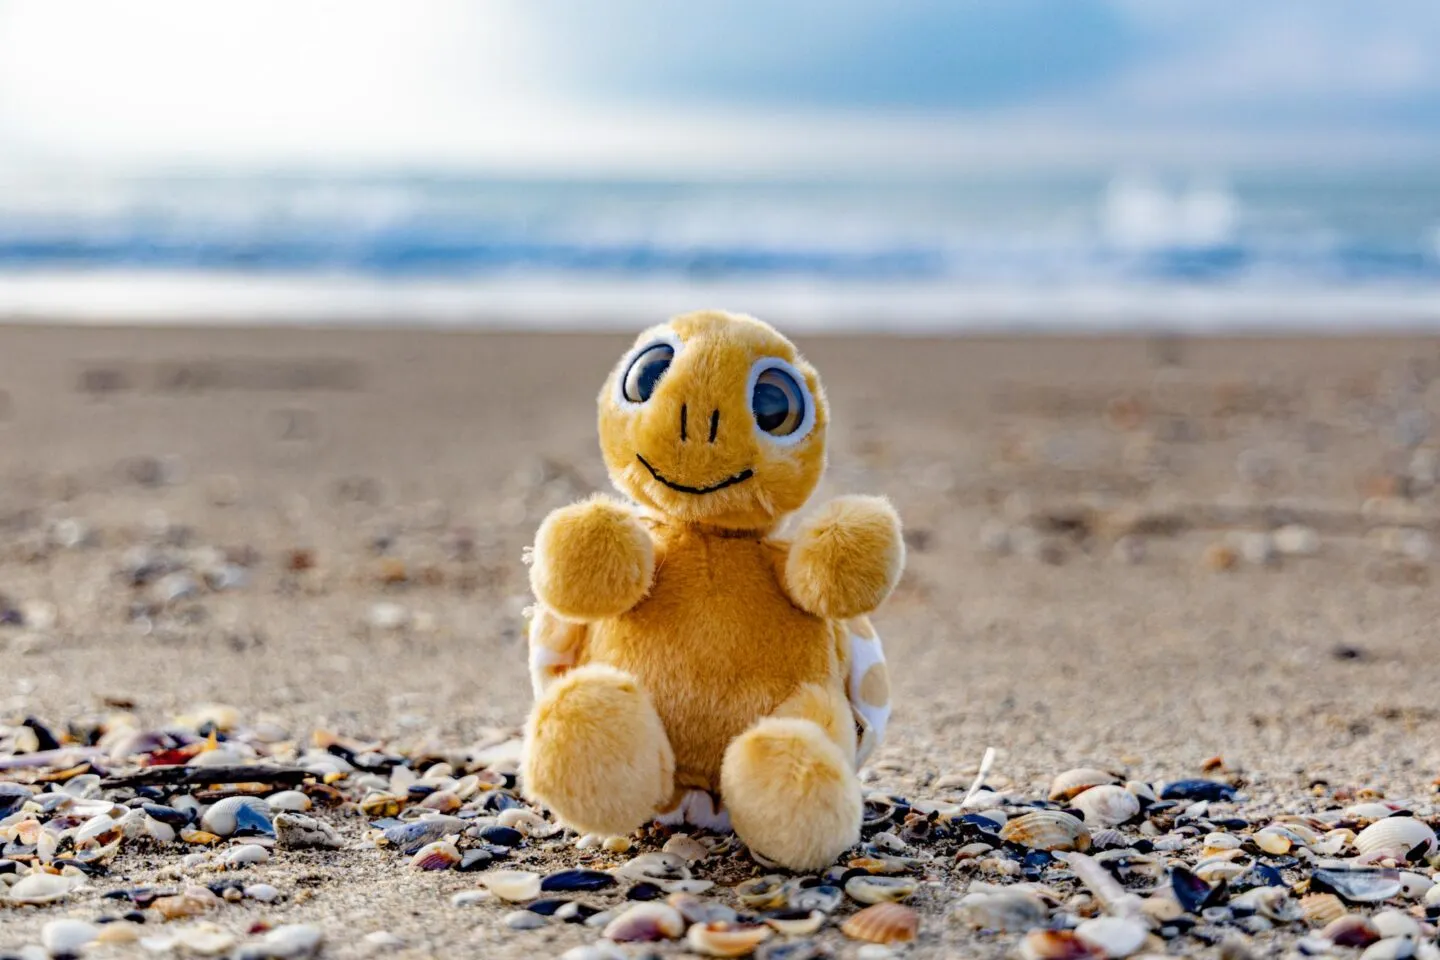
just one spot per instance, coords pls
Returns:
(689, 665)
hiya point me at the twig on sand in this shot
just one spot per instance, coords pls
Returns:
(178, 775)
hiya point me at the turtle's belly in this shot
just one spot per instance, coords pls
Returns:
(718, 646)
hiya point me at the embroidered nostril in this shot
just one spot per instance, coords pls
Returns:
(682, 423)
(714, 425)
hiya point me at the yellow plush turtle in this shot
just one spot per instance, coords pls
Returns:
(690, 665)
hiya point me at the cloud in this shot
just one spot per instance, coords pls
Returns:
(648, 87)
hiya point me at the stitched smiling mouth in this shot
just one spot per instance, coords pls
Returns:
(740, 477)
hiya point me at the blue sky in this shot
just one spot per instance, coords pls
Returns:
(742, 86)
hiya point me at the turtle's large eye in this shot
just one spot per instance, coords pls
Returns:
(645, 372)
(777, 402)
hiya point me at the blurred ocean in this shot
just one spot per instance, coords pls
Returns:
(1125, 251)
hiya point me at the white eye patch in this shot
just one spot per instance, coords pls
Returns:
(780, 402)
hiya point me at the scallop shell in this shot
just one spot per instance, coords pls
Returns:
(1397, 834)
(1047, 830)
(1321, 908)
(726, 939)
(1106, 805)
(883, 923)
(1072, 783)
(867, 888)
(513, 885)
(1057, 945)
(646, 922)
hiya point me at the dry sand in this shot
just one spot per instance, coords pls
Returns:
(1065, 651)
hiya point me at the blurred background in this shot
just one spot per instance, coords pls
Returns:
(924, 164)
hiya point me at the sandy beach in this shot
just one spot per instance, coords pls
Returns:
(1096, 574)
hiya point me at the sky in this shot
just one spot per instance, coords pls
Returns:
(654, 87)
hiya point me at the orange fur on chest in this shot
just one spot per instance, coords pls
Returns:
(716, 643)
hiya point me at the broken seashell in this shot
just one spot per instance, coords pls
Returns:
(726, 939)
(38, 888)
(1057, 945)
(1357, 885)
(1106, 805)
(1006, 910)
(1048, 830)
(1351, 930)
(795, 923)
(295, 831)
(884, 923)
(764, 893)
(646, 922)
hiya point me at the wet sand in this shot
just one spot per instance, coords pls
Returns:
(1084, 520)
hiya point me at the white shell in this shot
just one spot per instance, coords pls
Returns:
(1106, 805)
(205, 939)
(646, 921)
(1398, 834)
(292, 801)
(42, 888)
(289, 942)
(512, 885)
(66, 938)
(1116, 936)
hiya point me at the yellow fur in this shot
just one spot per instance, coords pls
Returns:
(712, 656)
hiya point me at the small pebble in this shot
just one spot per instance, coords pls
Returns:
(523, 920)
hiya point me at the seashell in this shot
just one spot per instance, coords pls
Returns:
(293, 941)
(1072, 783)
(502, 836)
(822, 897)
(382, 805)
(686, 847)
(1320, 909)
(1351, 930)
(1057, 945)
(234, 815)
(1413, 886)
(1212, 790)
(261, 893)
(1218, 868)
(409, 837)
(796, 923)
(245, 855)
(119, 932)
(193, 902)
(1400, 835)
(598, 951)
(295, 831)
(1113, 936)
(646, 922)
(1048, 830)
(883, 923)
(1191, 891)
(666, 870)
(872, 889)
(1373, 810)
(528, 822)
(1273, 903)
(695, 910)
(1106, 805)
(1357, 885)
(513, 885)
(570, 881)
(440, 855)
(205, 939)
(1395, 923)
(290, 801)
(42, 888)
(1274, 842)
(67, 938)
(764, 893)
(726, 939)
(1007, 911)
(523, 920)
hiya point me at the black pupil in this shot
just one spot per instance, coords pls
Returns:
(771, 406)
(649, 367)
